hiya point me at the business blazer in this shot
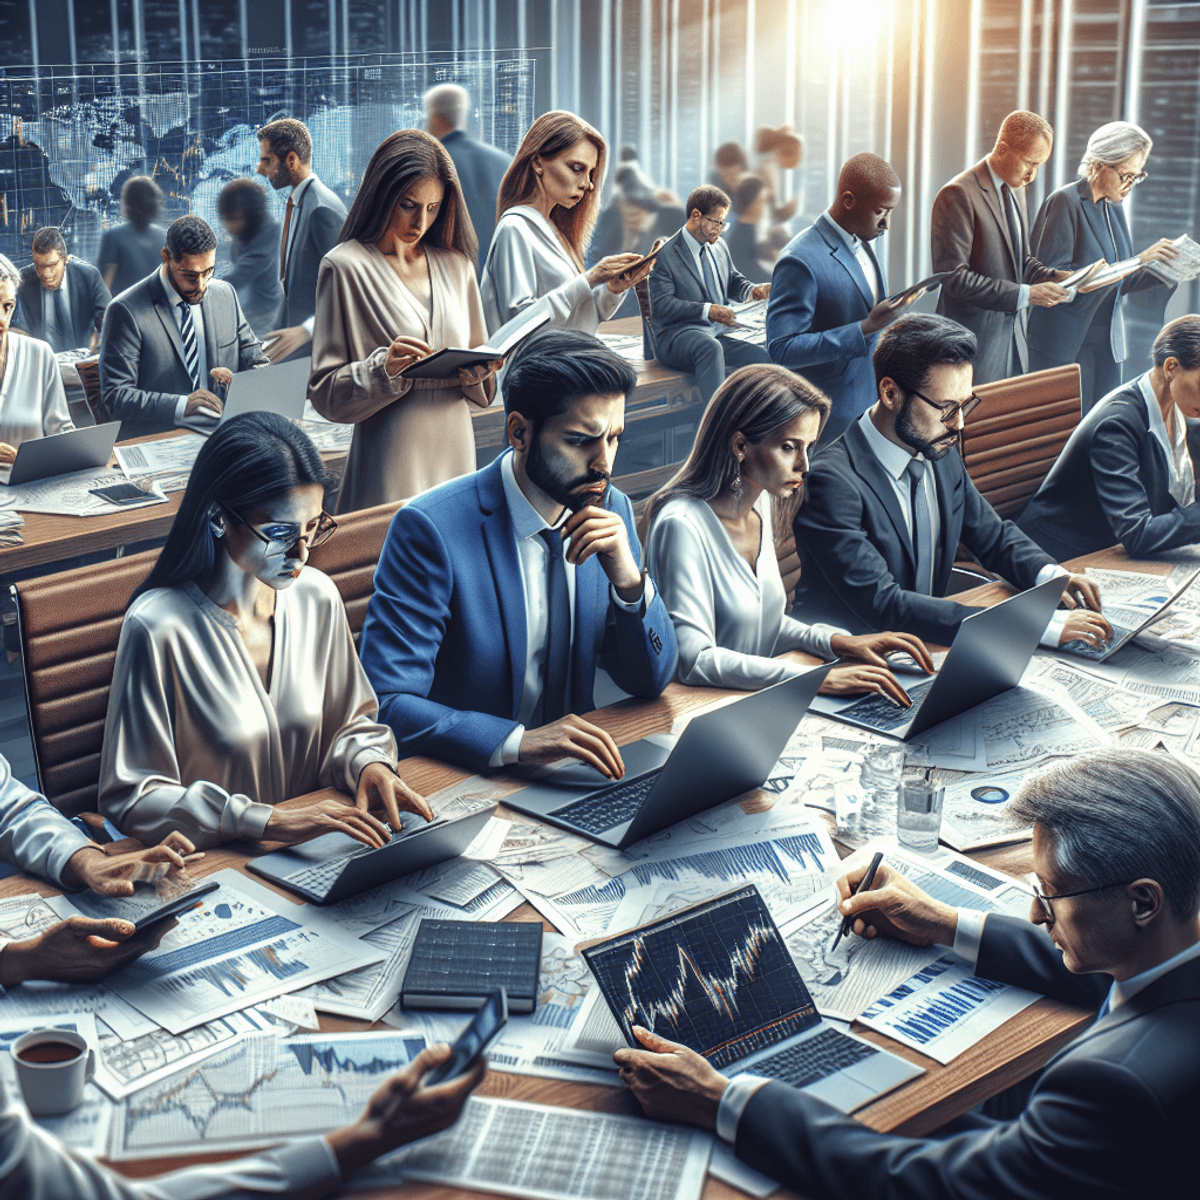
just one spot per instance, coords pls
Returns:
(857, 564)
(1109, 484)
(677, 292)
(252, 271)
(87, 298)
(819, 295)
(142, 368)
(318, 219)
(1112, 1115)
(480, 170)
(443, 642)
(742, 241)
(970, 236)
(1070, 232)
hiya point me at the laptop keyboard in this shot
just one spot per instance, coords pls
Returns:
(320, 877)
(814, 1059)
(612, 807)
(1086, 651)
(880, 713)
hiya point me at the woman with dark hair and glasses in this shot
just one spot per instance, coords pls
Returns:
(1080, 223)
(251, 256)
(711, 545)
(399, 285)
(236, 684)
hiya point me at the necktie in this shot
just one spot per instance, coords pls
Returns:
(1116, 328)
(287, 224)
(1021, 324)
(880, 286)
(715, 295)
(187, 334)
(922, 527)
(1105, 1006)
(60, 322)
(556, 698)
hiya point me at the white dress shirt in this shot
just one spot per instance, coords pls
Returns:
(297, 198)
(32, 401)
(1179, 458)
(1000, 185)
(856, 247)
(895, 459)
(532, 553)
(199, 419)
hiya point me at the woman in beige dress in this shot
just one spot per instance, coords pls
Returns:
(399, 285)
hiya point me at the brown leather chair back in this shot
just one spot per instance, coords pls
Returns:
(70, 624)
(1012, 439)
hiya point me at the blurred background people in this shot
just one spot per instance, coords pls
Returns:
(749, 205)
(779, 149)
(61, 299)
(729, 165)
(251, 255)
(132, 250)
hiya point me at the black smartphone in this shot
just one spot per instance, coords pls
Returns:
(172, 908)
(473, 1040)
(122, 494)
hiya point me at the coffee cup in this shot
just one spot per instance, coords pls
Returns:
(53, 1065)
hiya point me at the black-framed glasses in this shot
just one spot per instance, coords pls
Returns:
(950, 410)
(1045, 900)
(281, 536)
(720, 226)
(1129, 178)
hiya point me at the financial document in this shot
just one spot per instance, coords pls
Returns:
(25, 916)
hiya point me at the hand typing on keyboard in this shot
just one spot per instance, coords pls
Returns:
(292, 825)
(573, 737)
(380, 787)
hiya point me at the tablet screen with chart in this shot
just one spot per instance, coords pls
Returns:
(716, 977)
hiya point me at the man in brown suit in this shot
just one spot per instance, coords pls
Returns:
(981, 233)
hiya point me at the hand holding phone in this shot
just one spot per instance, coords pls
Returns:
(473, 1040)
(175, 906)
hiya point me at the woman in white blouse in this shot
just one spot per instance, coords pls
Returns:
(32, 401)
(236, 684)
(545, 212)
(711, 552)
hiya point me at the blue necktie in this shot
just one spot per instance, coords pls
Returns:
(922, 527)
(556, 698)
(187, 334)
(1116, 328)
(715, 295)
(60, 323)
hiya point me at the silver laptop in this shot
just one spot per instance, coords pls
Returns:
(282, 388)
(335, 865)
(990, 653)
(83, 449)
(1128, 620)
(720, 755)
(718, 977)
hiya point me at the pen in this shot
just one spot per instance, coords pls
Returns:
(864, 885)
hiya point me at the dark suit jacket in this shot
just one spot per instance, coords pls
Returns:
(742, 240)
(1113, 1115)
(253, 273)
(1070, 232)
(970, 236)
(480, 169)
(444, 638)
(1110, 484)
(319, 219)
(857, 567)
(142, 368)
(818, 297)
(87, 298)
(677, 292)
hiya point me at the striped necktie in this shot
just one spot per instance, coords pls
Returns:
(187, 333)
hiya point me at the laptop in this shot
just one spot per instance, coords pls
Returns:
(718, 977)
(990, 653)
(83, 449)
(331, 867)
(1128, 620)
(720, 755)
(282, 388)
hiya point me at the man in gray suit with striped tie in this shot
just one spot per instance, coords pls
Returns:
(170, 345)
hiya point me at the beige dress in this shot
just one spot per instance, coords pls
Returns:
(409, 435)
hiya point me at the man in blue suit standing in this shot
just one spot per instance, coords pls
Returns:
(829, 292)
(498, 594)
(690, 286)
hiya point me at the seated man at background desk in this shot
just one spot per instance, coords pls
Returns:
(1116, 851)
(61, 299)
(888, 502)
(692, 282)
(173, 341)
(498, 594)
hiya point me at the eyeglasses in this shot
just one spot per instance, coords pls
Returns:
(282, 536)
(950, 410)
(1044, 900)
(720, 226)
(193, 277)
(1129, 179)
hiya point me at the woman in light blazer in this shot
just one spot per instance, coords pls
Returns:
(1078, 224)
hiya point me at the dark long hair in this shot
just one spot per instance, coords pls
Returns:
(250, 460)
(243, 198)
(552, 134)
(754, 401)
(400, 161)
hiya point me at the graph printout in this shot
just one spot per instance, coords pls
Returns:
(717, 978)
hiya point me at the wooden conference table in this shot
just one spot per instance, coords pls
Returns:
(1014, 1051)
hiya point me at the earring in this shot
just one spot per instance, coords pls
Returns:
(218, 530)
(736, 486)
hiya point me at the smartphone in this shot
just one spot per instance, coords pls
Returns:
(172, 908)
(122, 494)
(473, 1040)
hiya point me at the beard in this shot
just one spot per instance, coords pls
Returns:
(906, 431)
(549, 475)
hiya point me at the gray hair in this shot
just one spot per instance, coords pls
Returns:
(450, 102)
(9, 273)
(1121, 815)
(1114, 143)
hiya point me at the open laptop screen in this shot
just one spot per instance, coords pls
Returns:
(716, 977)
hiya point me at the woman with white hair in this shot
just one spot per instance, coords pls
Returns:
(32, 401)
(1077, 225)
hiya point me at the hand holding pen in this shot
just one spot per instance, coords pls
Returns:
(864, 885)
(879, 899)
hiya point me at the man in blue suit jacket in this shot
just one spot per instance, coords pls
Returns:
(829, 292)
(498, 594)
(689, 286)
